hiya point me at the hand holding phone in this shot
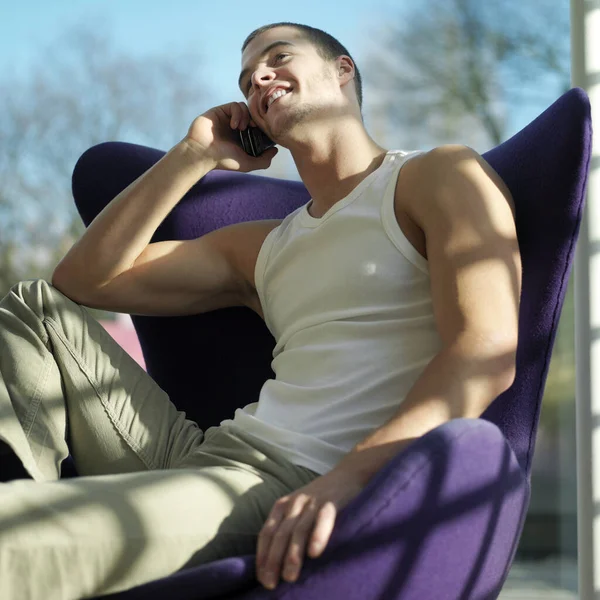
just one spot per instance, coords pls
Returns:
(224, 136)
(255, 141)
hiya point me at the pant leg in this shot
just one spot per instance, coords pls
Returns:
(90, 536)
(63, 378)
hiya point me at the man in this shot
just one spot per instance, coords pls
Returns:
(393, 299)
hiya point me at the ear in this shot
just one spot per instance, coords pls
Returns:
(345, 69)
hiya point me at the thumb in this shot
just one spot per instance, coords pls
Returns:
(267, 156)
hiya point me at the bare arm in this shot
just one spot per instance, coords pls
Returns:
(114, 262)
(464, 210)
(116, 238)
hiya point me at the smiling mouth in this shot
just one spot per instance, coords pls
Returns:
(276, 96)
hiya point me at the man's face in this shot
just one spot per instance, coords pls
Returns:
(285, 81)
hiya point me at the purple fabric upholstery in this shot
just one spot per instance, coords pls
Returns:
(444, 517)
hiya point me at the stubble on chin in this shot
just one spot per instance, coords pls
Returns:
(293, 117)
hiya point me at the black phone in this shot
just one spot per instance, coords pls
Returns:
(255, 141)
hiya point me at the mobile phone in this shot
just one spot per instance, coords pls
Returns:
(255, 141)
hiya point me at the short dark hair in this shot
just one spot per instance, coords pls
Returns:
(326, 45)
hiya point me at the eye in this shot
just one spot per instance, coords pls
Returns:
(281, 55)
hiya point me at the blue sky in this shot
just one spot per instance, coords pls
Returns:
(216, 27)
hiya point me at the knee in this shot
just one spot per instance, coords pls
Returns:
(37, 292)
(30, 287)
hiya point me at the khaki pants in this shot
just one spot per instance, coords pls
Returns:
(155, 495)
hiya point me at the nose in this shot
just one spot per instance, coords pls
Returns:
(262, 76)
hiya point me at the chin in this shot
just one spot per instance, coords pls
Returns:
(284, 127)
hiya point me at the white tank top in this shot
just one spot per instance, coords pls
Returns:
(348, 301)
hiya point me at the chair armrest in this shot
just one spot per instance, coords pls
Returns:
(424, 525)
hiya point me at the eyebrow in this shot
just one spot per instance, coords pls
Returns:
(265, 51)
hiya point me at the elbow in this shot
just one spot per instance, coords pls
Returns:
(58, 278)
(57, 275)
(62, 278)
(503, 366)
(69, 284)
(507, 357)
(507, 377)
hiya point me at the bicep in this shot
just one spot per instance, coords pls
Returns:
(175, 278)
(472, 248)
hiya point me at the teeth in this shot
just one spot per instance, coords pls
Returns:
(274, 96)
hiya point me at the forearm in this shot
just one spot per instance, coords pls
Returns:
(454, 384)
(121, 232)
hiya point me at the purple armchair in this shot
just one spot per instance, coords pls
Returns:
(443, 519)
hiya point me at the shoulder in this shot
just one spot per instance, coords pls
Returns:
(457, 161)
(440, 175)
(429, 171)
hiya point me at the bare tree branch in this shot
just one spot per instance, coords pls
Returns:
(452, 70)
(83, 92)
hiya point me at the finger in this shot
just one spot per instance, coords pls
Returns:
(281, 540)
(263, 161)
(245, 115)
(235, 110)
(251, 121)
(266, 157)
(266, 534)
(323, 529)
(298, 542)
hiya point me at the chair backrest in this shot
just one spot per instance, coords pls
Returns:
(545, 166)
(213, 363)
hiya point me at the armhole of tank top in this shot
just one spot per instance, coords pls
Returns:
(390, 223)
(259, 270)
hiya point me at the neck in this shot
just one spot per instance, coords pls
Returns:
(333, 161)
